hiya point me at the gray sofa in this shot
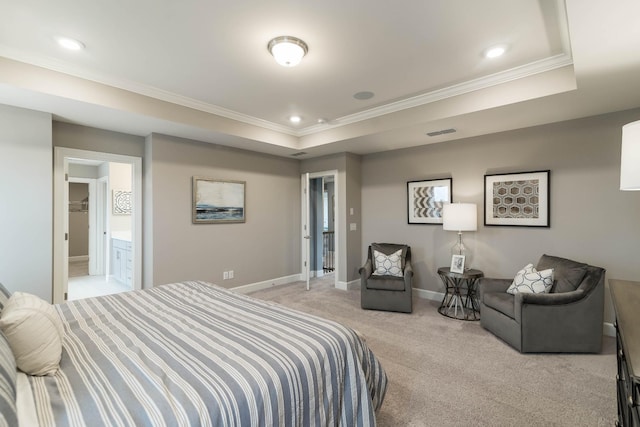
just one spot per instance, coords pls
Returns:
(569, 319)
(388, 293)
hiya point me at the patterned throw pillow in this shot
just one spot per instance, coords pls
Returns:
(388, 265)
(531, 281)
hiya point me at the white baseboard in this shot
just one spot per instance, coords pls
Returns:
(244, 289)
(608, 329)
(347, 286)
(430, 295)
(79, 258)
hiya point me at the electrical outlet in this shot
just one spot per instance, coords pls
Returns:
(225, 275)
(230, 274)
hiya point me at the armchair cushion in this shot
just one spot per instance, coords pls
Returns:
(568, 274)
(502, 302)
(531, 281)
(388, 265)
(386, 283)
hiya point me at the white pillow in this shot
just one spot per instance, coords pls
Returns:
(531, 281)
(34, 330)
(388, 265)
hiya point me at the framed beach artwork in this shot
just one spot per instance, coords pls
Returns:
(217, 201)
(517, 199)
(425, 200)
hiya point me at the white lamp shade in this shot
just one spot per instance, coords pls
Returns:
(460, 217)
(630, 158)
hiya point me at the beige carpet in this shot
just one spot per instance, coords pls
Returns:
(446, 372)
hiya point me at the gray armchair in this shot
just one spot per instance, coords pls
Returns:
(386, 292)
(566, 320)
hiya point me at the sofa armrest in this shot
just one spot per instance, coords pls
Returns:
(486, 284)
(408, 270)
(366, 270)
(408, 274)
(550, 299)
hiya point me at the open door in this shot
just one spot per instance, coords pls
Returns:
(306, 236)
(62, 158)
(61, 225)
(307, 240)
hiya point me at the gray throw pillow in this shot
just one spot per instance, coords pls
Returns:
(567, 274)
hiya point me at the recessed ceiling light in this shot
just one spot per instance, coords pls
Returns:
(295, 119)
(364, 95)
(495, 51)
(70, 44)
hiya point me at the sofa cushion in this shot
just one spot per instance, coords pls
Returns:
(387, 265)
(385, 283)
(500, 301)
(567, 274)
(531, 281)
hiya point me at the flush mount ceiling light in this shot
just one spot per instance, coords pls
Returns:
(495, 51)
(287, 50)
(70, 44)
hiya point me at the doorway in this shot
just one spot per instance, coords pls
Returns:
(97, 224)
(320, 230)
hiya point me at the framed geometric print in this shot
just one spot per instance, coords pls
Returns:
(517, 199)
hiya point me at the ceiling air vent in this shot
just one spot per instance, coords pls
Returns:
(301, 153)
(441, 132)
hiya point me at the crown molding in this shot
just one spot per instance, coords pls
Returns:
(53, 64)
(547, 64)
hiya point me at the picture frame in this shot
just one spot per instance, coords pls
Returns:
(426, 198)
(216, 201)
(457, 264)
(518, 199)
(121, 202)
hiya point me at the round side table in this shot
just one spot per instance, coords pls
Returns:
(460, 299)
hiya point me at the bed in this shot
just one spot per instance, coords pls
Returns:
(195, 354)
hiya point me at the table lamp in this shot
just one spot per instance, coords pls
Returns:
(460, 217)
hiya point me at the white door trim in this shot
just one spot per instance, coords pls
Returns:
(60, 225)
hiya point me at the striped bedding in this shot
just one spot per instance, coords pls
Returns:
(195, 354)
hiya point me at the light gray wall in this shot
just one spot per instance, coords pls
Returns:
(354, 216)
(26, 186)
(591, 220)
(84, 171)
(265, 247)
(92, 139)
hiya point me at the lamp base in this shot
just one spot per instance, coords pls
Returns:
(460, 249)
